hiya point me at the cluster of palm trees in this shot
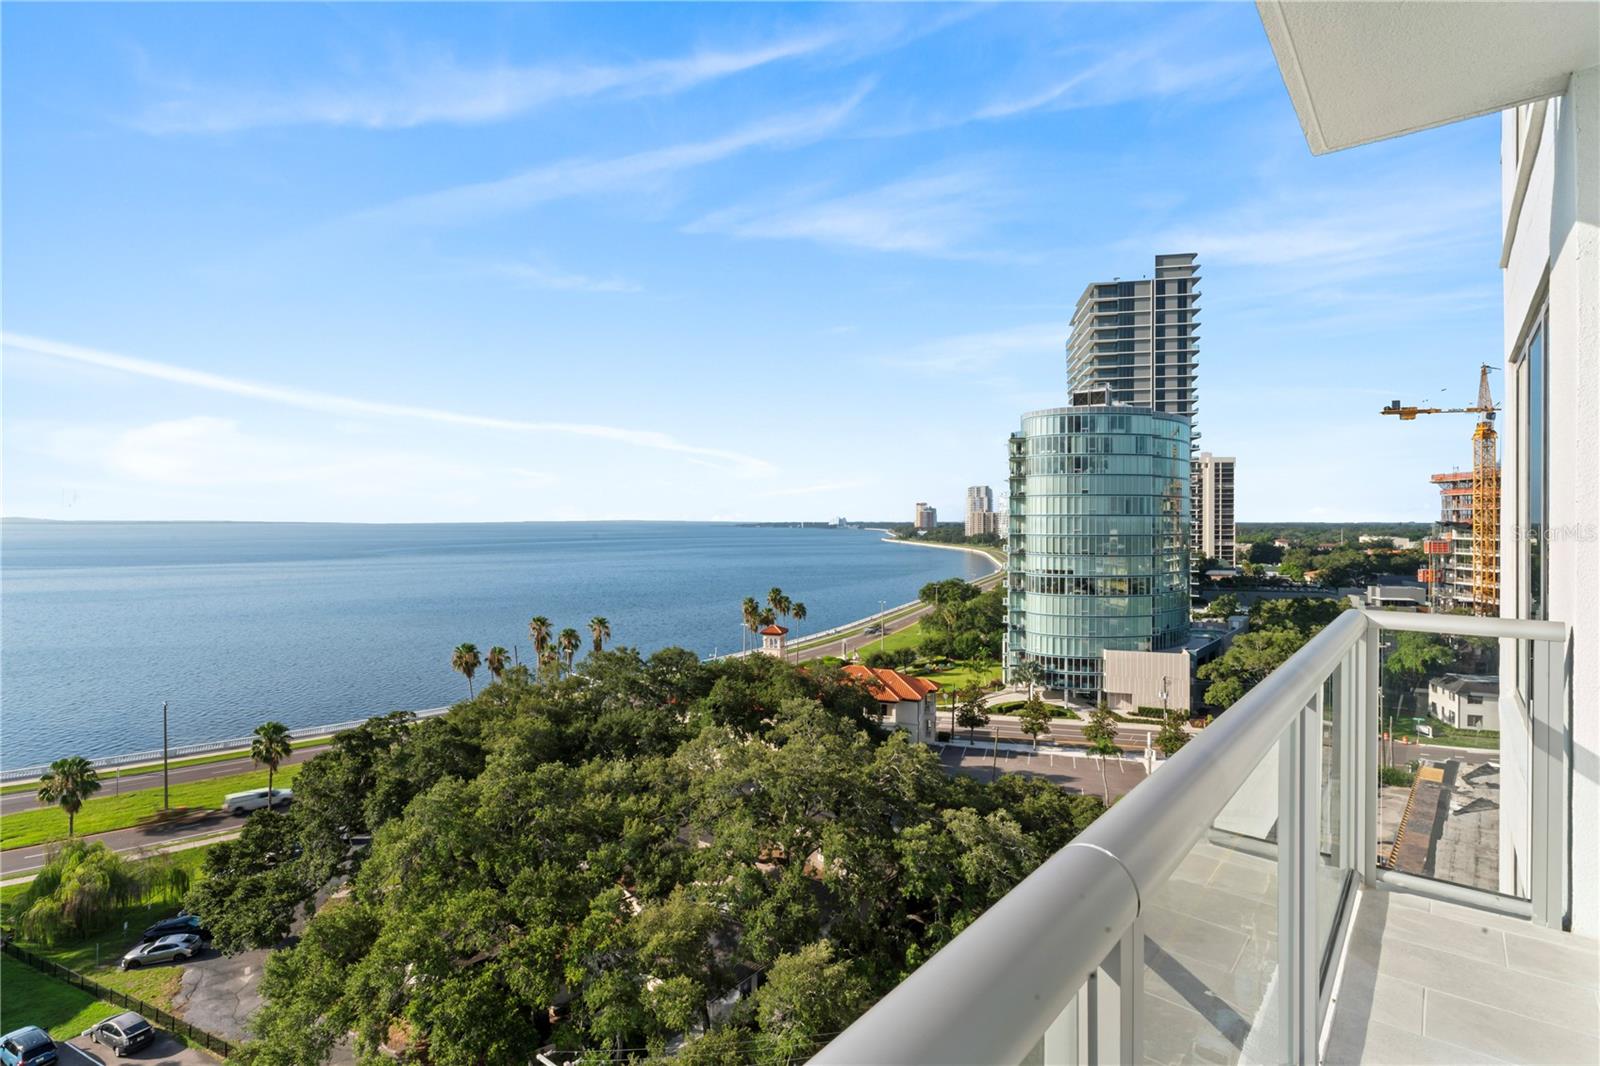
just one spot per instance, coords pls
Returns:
(553, 651)
(758, 617)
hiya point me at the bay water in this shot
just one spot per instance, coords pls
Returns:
(235, 623)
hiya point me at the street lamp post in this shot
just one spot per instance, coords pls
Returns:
(883, 630)
(165, 801)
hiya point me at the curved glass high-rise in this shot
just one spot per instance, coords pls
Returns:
(1099, 540)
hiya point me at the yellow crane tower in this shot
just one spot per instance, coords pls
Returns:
(1485, 491)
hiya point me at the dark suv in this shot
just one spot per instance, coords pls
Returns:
(182, 922)
(124, 1033)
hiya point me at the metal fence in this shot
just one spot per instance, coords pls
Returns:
(184, 751)
(152, 1013)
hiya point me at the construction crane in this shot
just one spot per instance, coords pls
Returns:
(1485, 491)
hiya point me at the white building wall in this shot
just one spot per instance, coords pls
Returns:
(1555, 251)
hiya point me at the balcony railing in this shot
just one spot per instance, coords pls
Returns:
(1202, 916)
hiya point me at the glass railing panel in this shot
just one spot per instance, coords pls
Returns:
(1336, 813)
(1211, 938)
(1454, 798)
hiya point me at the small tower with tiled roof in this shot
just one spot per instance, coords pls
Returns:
(772, 640)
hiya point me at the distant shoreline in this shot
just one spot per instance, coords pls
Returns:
(992, 561)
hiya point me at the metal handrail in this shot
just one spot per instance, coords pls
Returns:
(1026, 957)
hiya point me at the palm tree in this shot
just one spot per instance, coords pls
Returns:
(569, 642)
(752, 611)
(539, 629)
(798, 611)
(776, 599)
(269, 746)
(497, 661)
(600, 629)
(466, 661)
(67, 784)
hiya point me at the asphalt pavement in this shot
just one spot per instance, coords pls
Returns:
(846, 646)
(111, 784)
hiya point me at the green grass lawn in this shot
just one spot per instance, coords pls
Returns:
(98, 954)
(28, 997)
(105, 812)
(1447, 734)
(964, 675)
(109, 776)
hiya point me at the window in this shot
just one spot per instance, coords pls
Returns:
(1529, 492)
(1474, 721)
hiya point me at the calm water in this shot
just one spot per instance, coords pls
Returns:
(233, 623)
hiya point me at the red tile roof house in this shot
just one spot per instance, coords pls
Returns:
(904, 702)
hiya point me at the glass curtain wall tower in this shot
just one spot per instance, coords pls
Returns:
(1099, 540)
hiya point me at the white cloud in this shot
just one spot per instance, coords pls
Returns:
(1165, 64)
(305, 399)
(929, 214)
(582, 177)
(975, 352)
(818, 489)
(537, 276)
(439, 88)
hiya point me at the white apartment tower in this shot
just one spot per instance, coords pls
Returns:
(1139, 340)
(1211, 492)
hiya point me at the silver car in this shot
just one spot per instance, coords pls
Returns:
(177, 946)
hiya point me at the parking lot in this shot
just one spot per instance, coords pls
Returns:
(1072, 770)
(166, 1049)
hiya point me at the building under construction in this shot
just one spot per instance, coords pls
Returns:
(1452, 550)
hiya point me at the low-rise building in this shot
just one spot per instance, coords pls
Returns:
(1466, 701)
(905, 702)
(1134, 679)
(772, 638)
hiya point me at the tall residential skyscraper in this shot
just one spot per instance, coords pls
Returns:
(980, 511)
(926, 517)
(1099, 541)
(1212, 493)
(1139, 340)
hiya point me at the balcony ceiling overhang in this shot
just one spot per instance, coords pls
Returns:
(1363, 70)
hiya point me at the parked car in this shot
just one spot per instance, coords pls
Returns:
(124, 1033)
(28, 1046)
(182, 922)
(176, 946)
(872, 630)
(255, 799)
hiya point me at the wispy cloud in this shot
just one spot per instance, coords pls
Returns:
(977, 352)
(818, 489)
(935, 214)
(411, 90)
(330, 403)
(579, 177)
(538, 275)
(1162, 64)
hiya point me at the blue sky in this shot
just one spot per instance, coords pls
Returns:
(414, 263)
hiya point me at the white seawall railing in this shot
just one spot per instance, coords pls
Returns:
(185, 751)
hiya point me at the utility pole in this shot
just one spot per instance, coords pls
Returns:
(165, 802)
(883, 628)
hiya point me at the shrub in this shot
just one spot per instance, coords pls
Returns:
(81, 887)
(1400, 776)
(1149, 712)
(942, 736)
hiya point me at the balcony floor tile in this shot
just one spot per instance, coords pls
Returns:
(1446, 983)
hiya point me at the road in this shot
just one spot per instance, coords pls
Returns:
(17, 861)
(846, 646)
(111, 784)
(1075, 772)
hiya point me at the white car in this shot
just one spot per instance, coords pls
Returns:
(168, 948)
(255, 799)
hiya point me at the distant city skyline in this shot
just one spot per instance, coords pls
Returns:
(756, 263)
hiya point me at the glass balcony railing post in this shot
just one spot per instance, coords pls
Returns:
(1300, 755)
(1115, 992)
(1550, 762)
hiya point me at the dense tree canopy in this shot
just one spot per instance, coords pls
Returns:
(1278, 629)
(591, 861)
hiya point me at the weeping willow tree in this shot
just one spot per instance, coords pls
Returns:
(83, 886)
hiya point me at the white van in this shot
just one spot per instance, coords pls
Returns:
(255, 799)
